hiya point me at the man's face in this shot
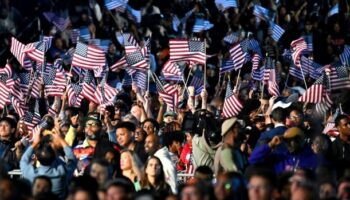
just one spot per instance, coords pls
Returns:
(344, 127)
(295, 118)
(190, 193)
(40, 185)
(150, 144)
(259, 188)
(5, 129)
(92, 129)
(124, 136)
(293, 145)
(169, 119)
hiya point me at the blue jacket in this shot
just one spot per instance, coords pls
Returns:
(266, 136)
(59, 172)
(284, 161)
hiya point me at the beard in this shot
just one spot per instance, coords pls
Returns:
(94, 136)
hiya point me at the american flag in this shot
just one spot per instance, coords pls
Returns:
(276, 31)
(41, 124)
(16, 90)
(197, 81)
(318, 93)
(54, 79)
(269, 68)
(263, 13)
(231, 38)
(226, 66)
(127, 80)
(36, 51)
(100, 43)
(232, 105)
(237, 56)
(287, 55)
(60, 22)
(339, 77)
(334, 10)
(74, 35)
(175, 22)
(100, 72)
(32, 118)
(84, 34)
(137, 61)
(253, 45)
(74, 94)
(133, 14)
(53, 109)
(258, 74)
(298, 46)
(88, 57)
(140, 78)
(6, 84)
(296, 72)
(225, 4)
(120, 5)
(270, 77)
(345, 56)
(256, 61)
(130, 43)
(330, 128)
(120, 64)
(169, 94)
(19, 106)
(89, 86)
(47, 40)
(201, 25)
(171, 71)
(26, 81)
(309, 43)
(17, 49)
(130, 71)
(104, 92)
(310, 67)
(187, 50)
(146, 50)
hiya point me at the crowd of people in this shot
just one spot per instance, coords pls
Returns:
(136, 147)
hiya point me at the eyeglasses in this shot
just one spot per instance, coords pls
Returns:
(294, 117)
(91, 124)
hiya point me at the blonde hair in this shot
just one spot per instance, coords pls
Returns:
(136, 164)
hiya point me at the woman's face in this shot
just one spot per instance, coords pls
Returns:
(149, 128)
(125, 161)
(153, 167)
(139, 137)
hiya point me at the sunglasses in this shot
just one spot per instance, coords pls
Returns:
(91, 124)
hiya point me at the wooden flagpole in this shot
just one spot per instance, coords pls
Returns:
(302, 73)
(205, 65)
(238, 80)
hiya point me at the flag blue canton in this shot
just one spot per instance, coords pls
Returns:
(81, 49)
(196, 46)
(227, 66)
(134, 58)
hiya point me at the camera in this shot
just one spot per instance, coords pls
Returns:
(206, 123)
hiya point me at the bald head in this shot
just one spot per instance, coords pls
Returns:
(293, 133)
(152, 144)
(294, 138)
